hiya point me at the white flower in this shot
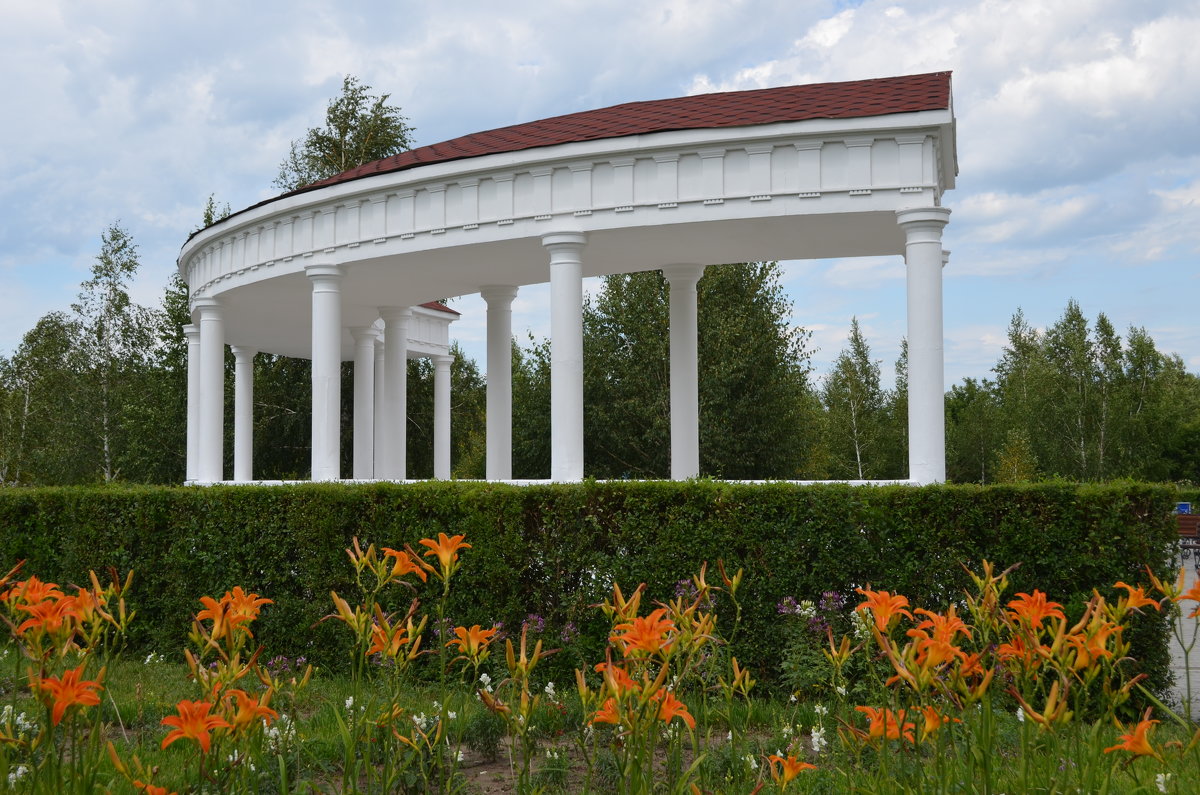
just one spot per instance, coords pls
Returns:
(1161, 781)
(349, 703)
(550, 690)
(1020, 715)
(787, 730)
(841, 691)
(818, 739)
(793, 698)
(729, 735)
(751, 761)
(16, 775)
(458, 757)
(486, 681)
(451, 715)
(821, 710)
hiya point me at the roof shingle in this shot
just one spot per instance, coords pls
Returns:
(846, 100)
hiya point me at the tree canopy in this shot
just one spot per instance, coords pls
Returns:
(360, 127)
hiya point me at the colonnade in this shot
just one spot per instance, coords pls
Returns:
(380, 372)
(380, 393)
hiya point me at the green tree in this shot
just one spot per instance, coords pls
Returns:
(531, 409)
(973, 431)
(116, 336)
(894, 452)
(854, 409)
(41, 421)
(758, 417)
(359, 128)
(468, 401)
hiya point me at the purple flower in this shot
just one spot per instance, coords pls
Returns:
(788, 606)
(570, 633)
(832, 600)
(685, 589)
(534, 623)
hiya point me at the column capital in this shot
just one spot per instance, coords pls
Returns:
(242, 351)
(361, 334)
(497, 292)
(324, 271)
(209, 305)
(442, 359)
(682, 273)
(933, 217)
(191, 331)
(391, 314)
(564, 240)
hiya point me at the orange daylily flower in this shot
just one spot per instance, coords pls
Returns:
(69, 690)
(1137, 597)
(473, 641)
(50, 615)
(1192, 594)
(783, 770)
(1034, 608)
(671, 707)
(607, 713)
(937, 648)
(1170, 590)
(194, 723)
(243, 607)
(934, 720)
(617, 678)
(1091, 646)
(249, 711)
(884, 606)
(32, 591)
(646, 634)
(218, 612)
(446, 548)
(388, 641)
(404, 564)
(1137, 741)
(886, 723)
(1018, 650)
(151, 789)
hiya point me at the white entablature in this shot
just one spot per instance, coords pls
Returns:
(775, 181)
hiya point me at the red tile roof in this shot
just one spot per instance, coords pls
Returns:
(440, 307)
(853, 99)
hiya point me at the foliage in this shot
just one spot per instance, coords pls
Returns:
(757, 411)
(977, 690)
(90, 395)
(555, 549)
(360, 127)
(1089, 405)
(855, 412)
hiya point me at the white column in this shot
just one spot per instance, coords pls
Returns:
(192, 332)
(499, 300)
(364, 402)
(566, 354)
(395, 391)
(926, 380)
(441, 416)
(685, 391)
(378, 405)
(326, 370)
(243, 412)
(210, 465)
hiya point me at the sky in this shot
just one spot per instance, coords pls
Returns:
(1078, 126)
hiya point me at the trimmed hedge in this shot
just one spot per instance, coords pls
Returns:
(556, 549)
